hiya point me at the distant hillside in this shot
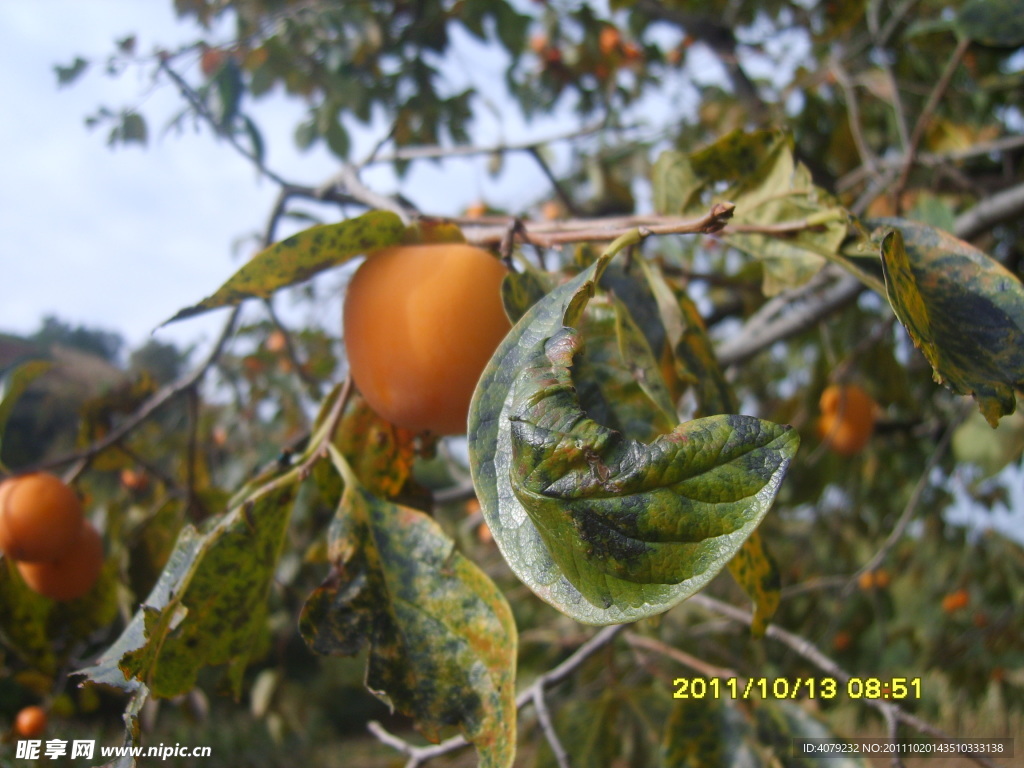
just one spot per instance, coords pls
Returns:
(45, 419)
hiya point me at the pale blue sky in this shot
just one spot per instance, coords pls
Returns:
(123, 238)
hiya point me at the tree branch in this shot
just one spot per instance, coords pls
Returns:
(755, 336)
(991, 211)
(468, 150)
(720, 38)
(548, 234)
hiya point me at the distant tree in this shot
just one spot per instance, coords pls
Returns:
(104, 344)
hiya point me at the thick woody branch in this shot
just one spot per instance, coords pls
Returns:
(548, 234)
(989, 212)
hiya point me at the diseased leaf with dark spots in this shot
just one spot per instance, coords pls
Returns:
(426, 230)
(756, 571)
(736, 155)
(963, 309)
(617, 515)
(301, 256)
(441, 637)
(752, 567)
(619, 383)
(607, 529)
(209, 605)
(380, 454)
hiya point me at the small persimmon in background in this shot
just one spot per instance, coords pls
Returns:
(876, 579)
(847, 419)
(30, 722)
(954, 601)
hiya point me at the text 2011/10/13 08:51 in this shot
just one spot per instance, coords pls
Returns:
(895, 688)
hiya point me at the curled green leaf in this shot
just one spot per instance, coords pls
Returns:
(604, 528)
(608, 508)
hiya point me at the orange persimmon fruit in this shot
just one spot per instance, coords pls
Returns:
(421, 322)
(954, 601)
(40, 517)
(609, 40)
(30, 722)
(847, 418)
(71, 575)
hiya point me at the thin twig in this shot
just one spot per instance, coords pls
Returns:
(348, 181)
(468, 150)
(309, 382)
(867, 156)
(548, 729)
(879, 44)
(991, 211)
(560, 191)
(686, 659)
(925, 118)
(551, 233)
(193, 98)
(910, 509)
(753, 338)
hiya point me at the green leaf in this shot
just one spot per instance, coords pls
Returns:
(607, 529)
(255, 139)
(708, 733)
(300, 257)
(963, 309)
(997, 23)
(24, 616)
(381, 455)
(521, 290)
(67, 75)
(619, 383)
(131, 130)
(441, 637)
(753, 567)
(778, 191)
(676, 186)
(209, 604)
(975, 442)
(227, 90)
(13, 383)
